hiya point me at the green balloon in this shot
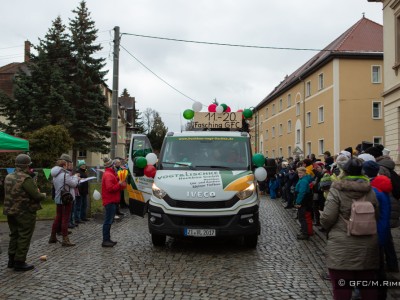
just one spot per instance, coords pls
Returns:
(258, 159)
(224, 106)
(247, 113)
(188, 114)
(140, 162)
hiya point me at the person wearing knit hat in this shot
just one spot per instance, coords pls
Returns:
(366, 157)
(342, 251)
(370, 169)
(111, 187)
(108, 162)
(81, 198)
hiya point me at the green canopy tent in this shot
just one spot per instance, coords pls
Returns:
(10, 143)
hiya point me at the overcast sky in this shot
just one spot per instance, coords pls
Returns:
(239, 77)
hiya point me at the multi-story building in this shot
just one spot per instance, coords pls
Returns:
(331, 102)
(391, 63)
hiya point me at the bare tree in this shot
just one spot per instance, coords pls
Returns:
(148, 119)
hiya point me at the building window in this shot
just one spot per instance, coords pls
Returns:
(377, 110)
(321, 81)
(289, 100)
(321, 147)
(308, 119)
(298, 109)
(280, 129)
(266, 112)
(298, 136)
(289, 151)
(289, 126)
(378, 140)
(280, 104)
(273, 153)
(308, 148)
(308, 88)
(82, 153)
(266, 134)
(273, 132)
(320, 114)
(280, 152)
(266, 153)
(376, 74)
(273, 109)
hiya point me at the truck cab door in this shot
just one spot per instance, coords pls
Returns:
(139, 186)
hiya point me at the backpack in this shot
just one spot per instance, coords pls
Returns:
(362, 218)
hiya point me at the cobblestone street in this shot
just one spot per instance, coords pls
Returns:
(281, 267)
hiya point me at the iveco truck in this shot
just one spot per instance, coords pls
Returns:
(204, 187)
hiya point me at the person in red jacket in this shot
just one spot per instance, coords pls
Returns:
(111, 187)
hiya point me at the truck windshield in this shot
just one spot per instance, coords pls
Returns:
(205, 153)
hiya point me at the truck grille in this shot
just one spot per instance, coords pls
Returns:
(201, 204)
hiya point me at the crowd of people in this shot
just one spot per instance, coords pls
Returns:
(327, 195)
(70, 193)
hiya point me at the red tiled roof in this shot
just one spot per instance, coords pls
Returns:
(362, 39)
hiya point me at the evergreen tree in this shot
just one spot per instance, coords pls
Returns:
(42, 92)
(158, 132)
(90, 128)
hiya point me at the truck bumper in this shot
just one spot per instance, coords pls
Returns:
(246, 222)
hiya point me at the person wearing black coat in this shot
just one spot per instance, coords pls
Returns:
(82, 198)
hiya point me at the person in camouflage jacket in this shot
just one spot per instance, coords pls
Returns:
(21, 201)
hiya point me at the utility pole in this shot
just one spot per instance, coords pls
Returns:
(114, 104)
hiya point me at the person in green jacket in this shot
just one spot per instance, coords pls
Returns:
(21, 201)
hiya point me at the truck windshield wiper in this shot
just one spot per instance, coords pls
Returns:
(179, 164)
(215, 167)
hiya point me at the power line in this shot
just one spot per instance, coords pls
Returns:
(224, 44)
(143, 65)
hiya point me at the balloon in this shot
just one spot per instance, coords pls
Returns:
(224, 106)
(197, 106)
(150, 171)
(241, 110)
(140, 162)
(151, 158)
(212, 107)
(247, 113)
(96, 195)
(188, 114)
(258, 159)
(260, 173)
(219, 109)
(228, 109)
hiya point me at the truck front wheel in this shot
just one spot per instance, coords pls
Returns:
(158, 239)
(250, 241)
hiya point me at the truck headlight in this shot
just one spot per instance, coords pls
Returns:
(157, 192)
(246, 193)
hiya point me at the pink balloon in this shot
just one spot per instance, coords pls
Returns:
(150, 171)
(212, 107)
(228, 109)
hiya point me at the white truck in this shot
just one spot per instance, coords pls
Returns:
(205, 187)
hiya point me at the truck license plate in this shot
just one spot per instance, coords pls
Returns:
(199, 232)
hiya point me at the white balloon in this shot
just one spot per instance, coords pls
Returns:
(219, 109)
(197, 106)
(260, 173)
(151, 158)
(96, 195)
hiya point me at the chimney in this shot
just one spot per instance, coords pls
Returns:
(27, 51)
